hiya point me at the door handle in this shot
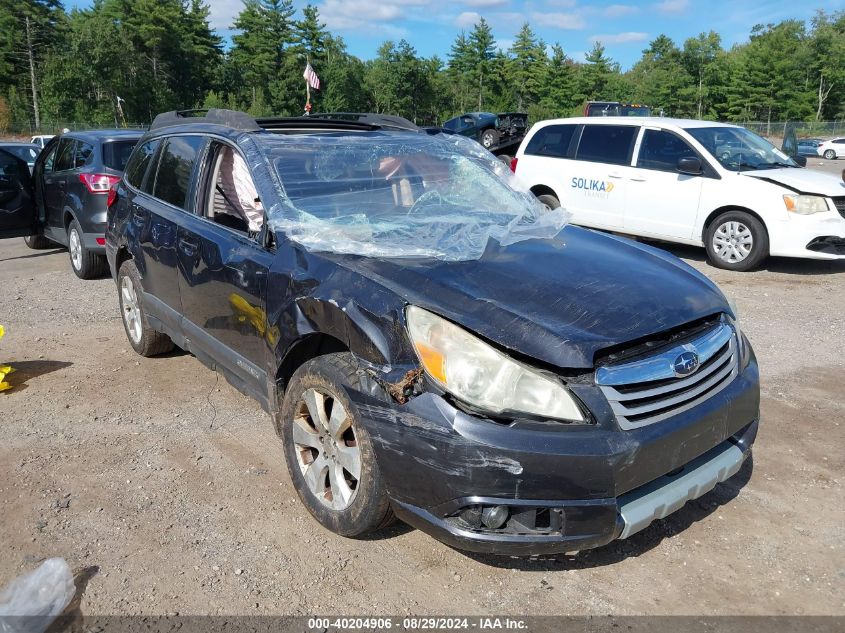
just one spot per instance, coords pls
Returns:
(638, 179)
(615, 175)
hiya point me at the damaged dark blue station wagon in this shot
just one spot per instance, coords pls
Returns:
(430, 341)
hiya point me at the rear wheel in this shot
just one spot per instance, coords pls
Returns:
(830, 154)
(737, 241)
(549, 200)
(489, 138)
(143, 338)
(85, 264)
(38, 242)
(328, 451)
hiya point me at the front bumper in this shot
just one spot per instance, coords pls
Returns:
(599, 483)
(817, 236)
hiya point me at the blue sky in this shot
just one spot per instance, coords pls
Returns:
(624, 26)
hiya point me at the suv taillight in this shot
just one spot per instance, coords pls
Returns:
(98, 183)
(112, 194)
(514, 161)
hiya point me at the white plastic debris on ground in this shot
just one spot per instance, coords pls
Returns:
(30, 602)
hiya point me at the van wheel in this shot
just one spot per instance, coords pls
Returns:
(549, 200)
(830, 154)
(489, 138)
(143, 338)
(736, 241)
(38, 242)
(328, 451)
(85, 264)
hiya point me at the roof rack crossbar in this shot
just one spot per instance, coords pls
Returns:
(229, 118)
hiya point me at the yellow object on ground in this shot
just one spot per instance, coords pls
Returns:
(5, 370)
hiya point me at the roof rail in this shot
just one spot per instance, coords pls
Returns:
(229, 118)
(313, 123)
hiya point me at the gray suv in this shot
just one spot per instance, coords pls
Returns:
(71, 178)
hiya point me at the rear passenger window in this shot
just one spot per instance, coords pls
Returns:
(83, 154)
(117, 153)
(64, 157)
(552, 140)
(662, 150)
(175, 168)
(606, 144)
(139, 162)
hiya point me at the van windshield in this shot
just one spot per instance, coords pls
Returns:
(739, 149)
(401, 195)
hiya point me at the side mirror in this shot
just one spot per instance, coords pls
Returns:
(801, 160)
(690, 166)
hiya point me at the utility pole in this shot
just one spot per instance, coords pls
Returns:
(32, 76)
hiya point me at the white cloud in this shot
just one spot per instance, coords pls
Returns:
(222, 13)
(619, 10)
(566, 4)
(672, 6)
(467, 19)
(620, 38)
(558, 20)
(485, 3)
(345, 15)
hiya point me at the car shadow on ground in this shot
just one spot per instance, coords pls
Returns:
(53, 251)
(785, 265)
(71, 619)
(635, 545)
(26, 370)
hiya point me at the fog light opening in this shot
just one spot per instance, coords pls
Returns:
(494, 517)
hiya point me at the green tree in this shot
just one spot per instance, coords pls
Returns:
(595, 75)
(526, 68)
(481, 50)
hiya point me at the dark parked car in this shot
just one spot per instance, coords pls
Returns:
(25, 151)
(66, 198)
(498, 133)
(429, 340)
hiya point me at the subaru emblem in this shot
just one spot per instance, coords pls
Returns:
(685, 364)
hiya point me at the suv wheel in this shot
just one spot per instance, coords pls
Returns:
(736, 241)
(144, 339)
(830, 154)
(85, 264)
(38, 242)
(489, 138)
(328, 452)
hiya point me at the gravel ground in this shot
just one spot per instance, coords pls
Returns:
(168, 489)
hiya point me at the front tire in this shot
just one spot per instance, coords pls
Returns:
(328, 451)
(85, 264)
(38, 242)
(830, 155)
(736, 241)
(549, 200)
(144, 339)
(489, 138)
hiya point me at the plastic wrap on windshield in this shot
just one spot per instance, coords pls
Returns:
(400, 195)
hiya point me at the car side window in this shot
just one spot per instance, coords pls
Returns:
(661, 150)
(606, 144)
(83, 154)
(139, 162)
(231, 198)
(50, 158)
(552, 140)
(64, 155)
(175, 167)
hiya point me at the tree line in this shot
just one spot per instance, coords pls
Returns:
(124, 61)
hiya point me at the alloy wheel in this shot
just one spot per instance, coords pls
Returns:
(733, 241)
(75, 247)
(131, 309)
(326, 448)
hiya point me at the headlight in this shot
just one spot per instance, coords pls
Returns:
(805, 205)
(482, 376)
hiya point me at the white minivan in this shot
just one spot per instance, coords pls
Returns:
(693, 182)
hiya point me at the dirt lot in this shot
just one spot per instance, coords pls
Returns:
(170, 487)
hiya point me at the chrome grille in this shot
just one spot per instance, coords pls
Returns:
(839, 203)
(648, 389)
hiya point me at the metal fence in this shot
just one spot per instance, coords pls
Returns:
(803, 129)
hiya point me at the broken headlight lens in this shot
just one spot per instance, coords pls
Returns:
(481, 375)
(805, 205)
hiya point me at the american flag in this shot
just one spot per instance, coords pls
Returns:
(311, 77)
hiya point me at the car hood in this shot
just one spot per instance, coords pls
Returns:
(559, 300)
(802, 180)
